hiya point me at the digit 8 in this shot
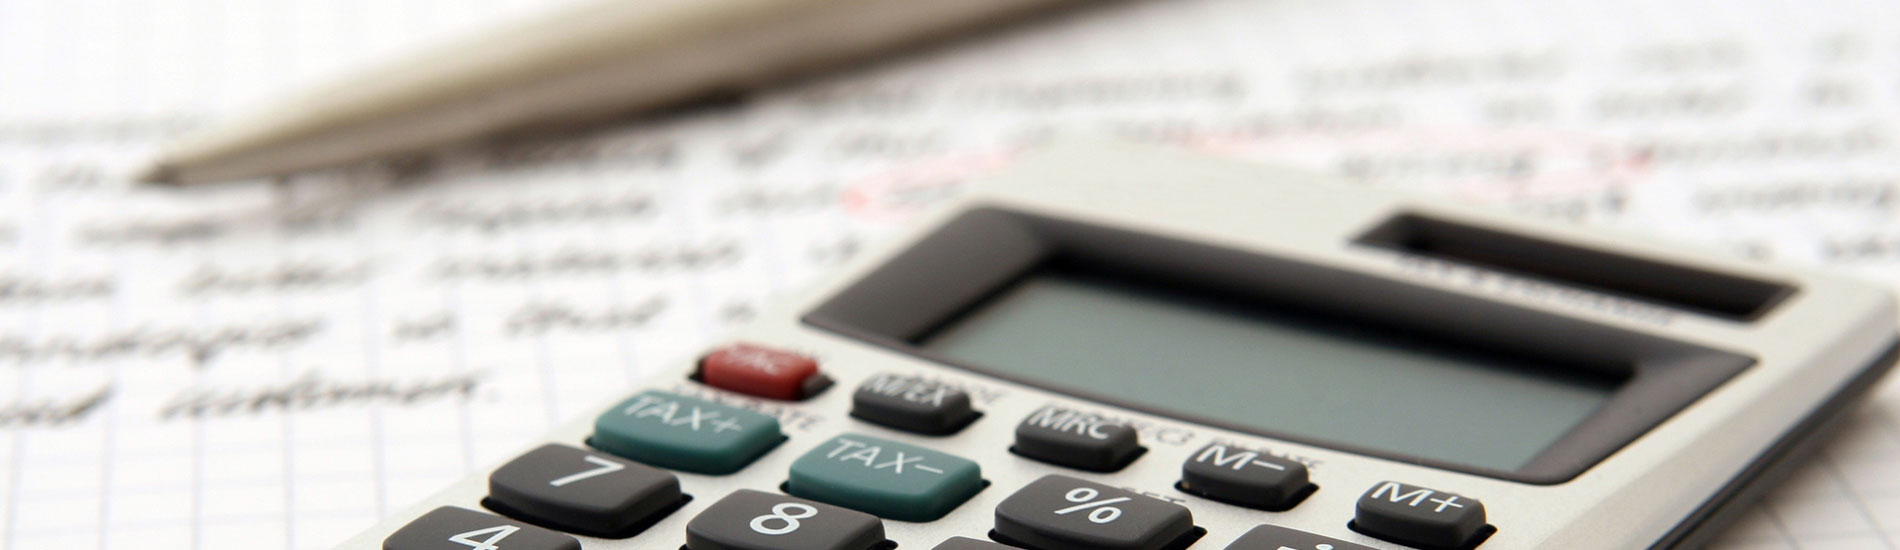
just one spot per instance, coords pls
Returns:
(783, 511)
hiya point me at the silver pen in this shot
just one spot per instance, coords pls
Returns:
(596, 59)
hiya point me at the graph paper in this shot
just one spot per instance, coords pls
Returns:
(279, 364)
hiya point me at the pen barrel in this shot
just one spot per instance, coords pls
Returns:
(580, 64)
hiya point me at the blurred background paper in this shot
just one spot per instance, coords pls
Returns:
(276, 365)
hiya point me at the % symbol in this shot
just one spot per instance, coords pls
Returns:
(1085, 497)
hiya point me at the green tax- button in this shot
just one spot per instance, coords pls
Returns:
(686, 434)
(886, 478)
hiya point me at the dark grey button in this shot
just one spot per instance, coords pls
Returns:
(1066, 437)
(1065, 513)
(1421, 517)
(1274, 537)
(583, 492)
(754, 520)
(451, 528)
(1246, 478)
(912, 404)
(966, 543)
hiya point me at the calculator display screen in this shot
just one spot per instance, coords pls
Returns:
(1277, 371)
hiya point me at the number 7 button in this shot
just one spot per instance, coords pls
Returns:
(583, 492)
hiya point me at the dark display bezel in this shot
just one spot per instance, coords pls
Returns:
(981, 252)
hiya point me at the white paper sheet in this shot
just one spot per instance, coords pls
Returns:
(276, 366)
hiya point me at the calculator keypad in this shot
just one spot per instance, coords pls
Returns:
(755, 520)
(841, 487)
(683, 433)
(886, 478)
(451, 528)
(581, 491)
(1064, 513)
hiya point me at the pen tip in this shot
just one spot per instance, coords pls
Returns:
(159, 174)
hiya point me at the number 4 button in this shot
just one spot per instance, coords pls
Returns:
(451, 528)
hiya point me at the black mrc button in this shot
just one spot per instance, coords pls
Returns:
(1421, 517)
(1084, 441)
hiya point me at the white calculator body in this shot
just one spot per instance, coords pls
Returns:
(1118, 347)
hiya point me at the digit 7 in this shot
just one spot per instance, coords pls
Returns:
(606, 467)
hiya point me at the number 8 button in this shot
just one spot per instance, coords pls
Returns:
(754, 520)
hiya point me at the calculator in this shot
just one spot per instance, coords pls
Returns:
(1117, 347)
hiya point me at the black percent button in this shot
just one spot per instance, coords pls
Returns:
(1421, 517)
(583, 492)
(1084, 441)
(755, 520)
(451, 528)
(912, 404)
(1064, 513)
(1245, 477)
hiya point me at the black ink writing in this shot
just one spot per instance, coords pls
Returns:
(494, 217)
(1795, 194)
(26, 290)
(291, 276)
(426, 327)
(755, 201)
(198, 343)
(1670, 102)
(1418, 71)
(55, 411)
(540, 317)
(580, 262)
(312, 390)
(1762, 146)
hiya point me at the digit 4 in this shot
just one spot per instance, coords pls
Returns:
(495, 534)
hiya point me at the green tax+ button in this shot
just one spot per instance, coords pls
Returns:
(683, 433)
(890, 479)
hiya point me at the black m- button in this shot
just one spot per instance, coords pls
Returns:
(1245, 477)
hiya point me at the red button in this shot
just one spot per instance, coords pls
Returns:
(762, 371)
